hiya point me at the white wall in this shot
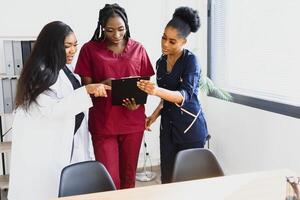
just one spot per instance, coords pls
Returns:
(248, 139)
(147, 19)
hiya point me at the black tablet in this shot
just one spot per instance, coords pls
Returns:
(127, 88)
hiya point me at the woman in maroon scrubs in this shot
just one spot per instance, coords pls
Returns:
(117, 131)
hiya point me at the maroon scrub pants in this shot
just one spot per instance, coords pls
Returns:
(119, 154)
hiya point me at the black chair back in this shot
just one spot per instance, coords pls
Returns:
(197, 163)
(83, 178)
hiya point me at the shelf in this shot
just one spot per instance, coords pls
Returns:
(4, 75)
(5, 147)
(4, 181)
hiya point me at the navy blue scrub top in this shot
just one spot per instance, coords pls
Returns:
(186, 121)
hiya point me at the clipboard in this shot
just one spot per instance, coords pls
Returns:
(127, 88)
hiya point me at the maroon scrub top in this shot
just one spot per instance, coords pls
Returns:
(99, 63)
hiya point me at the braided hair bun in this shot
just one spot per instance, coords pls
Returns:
(110, 10)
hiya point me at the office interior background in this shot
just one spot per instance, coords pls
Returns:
(244, 138)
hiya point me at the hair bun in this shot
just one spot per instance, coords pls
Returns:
(190, 16)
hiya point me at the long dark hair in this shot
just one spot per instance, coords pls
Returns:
(41, 70)
(185, 20)
(110, 10)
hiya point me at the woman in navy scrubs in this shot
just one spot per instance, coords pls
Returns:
(183, 125)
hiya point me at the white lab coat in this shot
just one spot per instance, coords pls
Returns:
(42, 140)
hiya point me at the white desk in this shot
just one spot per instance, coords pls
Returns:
(270, 185)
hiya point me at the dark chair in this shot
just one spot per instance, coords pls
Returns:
(83, 178)
(197, 163)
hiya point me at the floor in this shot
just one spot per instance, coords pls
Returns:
(148, 177)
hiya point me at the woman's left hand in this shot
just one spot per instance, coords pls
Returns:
(147, 86)
(130, 104)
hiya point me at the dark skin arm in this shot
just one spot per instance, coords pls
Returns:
(86, 80)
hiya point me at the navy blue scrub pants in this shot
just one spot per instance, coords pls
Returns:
(168, 151)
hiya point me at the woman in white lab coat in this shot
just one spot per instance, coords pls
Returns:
(49, 129)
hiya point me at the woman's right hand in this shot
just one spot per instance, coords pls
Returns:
(147, 86)
(149, 120)
(97, 89)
